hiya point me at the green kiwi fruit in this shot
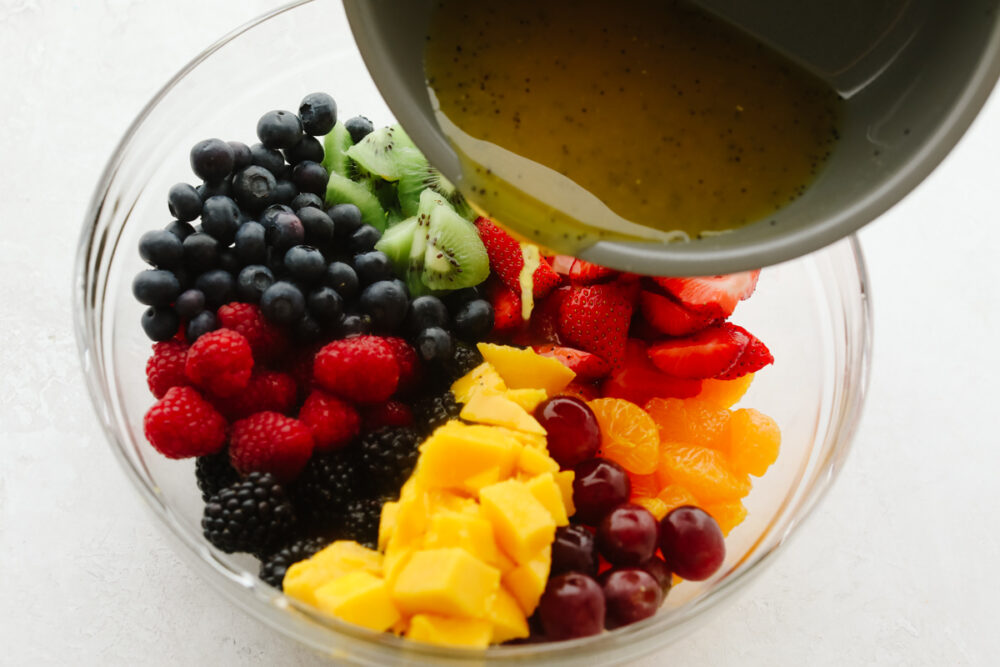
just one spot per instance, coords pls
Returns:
(385, 153)
(335, 145)
(417, 177)
(342, 190)
(396, 243)
(454, 256)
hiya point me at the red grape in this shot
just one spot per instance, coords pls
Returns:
(571, 606)
(657, 567)
(574, 551)
(692, 543)
(571, 429)
(628, 535)
(630, 594)
(599, 485)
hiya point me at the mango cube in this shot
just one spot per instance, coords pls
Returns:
(534, 461)
(455, 452)
(343, 556)
(447, 631)
(472, 533)
(564, 479)
(498, 410)
(387, 523)
(481, 379)
(529, 399)
(525, 369)
(506, 617)
(527, 581)
(361, 598)
(546, 491)
(522, 524)
(448, 581)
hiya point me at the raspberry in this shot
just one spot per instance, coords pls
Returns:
(267, 341)
(333, 422)
(267, 391)
(361, 369)
(409, 364)
(270, 442)
(251, 515)
(301, 367)
(165, 368)
(390, 413)
(183, 424)
(220, 362)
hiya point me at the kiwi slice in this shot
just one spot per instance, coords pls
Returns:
(396, 243)
(455, 256)
(385, 153)
(342, 190)
(335, 145)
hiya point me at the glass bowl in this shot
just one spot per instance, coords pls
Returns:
(813, 312)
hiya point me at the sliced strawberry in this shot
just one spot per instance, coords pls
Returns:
(545, 317)
(587, 366)
(507, 260)
(754, 357)
(585, 273)
(669, 317)
(596, 318)
(506, 308)
(637, 380)
(585, 391)
(561, 264)
(705, 354)
(714, 296)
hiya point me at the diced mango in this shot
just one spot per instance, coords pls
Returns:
(447, 631)
(473, 484)
(534, 461)
(395, 560)
(528, 399)
(546, 491)
(448, 581)
(361, 598)
(497, 410)
(522, 524)
(455, 452)
(411, 520)
(506, 617)
(481, 379)
(524, 369)
(527, 439)
(343, 556)
(472, 533)
(564, 479)
(387, 523)
(527, 581)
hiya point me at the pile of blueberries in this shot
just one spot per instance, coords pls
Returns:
(267, 237)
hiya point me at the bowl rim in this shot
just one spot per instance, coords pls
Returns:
(242, 590)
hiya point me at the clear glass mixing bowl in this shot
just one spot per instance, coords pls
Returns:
(814, 313)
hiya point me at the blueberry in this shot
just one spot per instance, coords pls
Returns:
(183, 277)
(161, 248)
(279, 129)
(318, 112)
(160, 324)
(355, 325)
(284, 192)
(311, 177)
(181, 230)
(325, 304)
(200, 325)
(304, 263)
(474, 320)
(359, 127)
(282, 303)
(362, 240)
(342, 277)
(307, 329)
(270, 159)
(386, 304)
(373, 266)
(272, 212)
(212, 159)
(346, 218)
(241, 155)
(228, 261)
(223, 188)
(189, 303)
(218, 287)
(220, 218)
(308, 148)
(184, 202)
(285, 231)
(156, 287)
(252, 281)
(317, 224)
(434, 344)
(201, 252)
(306, 199)
(425, 312)
(458, 298)
(253, 187)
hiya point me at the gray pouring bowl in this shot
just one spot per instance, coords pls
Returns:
(913, 73)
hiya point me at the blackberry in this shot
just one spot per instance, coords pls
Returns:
(463, 359)
(214, 473)
(325, 487)
(274, 566)
(252, 515)
(387, 456)
(431, 412)
(361, 521)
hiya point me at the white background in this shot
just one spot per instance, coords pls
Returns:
(898, 565)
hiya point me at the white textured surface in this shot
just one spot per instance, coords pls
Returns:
(896, 567)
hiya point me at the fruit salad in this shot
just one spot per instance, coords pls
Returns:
(422, 425)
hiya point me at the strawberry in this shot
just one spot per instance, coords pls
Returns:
(585, 273)
(713, 296)
(754, 357)
(705, 354)
(638, 380)
(561, 264)
(545, 317)
(506, 308)
(587, 366)
(669, 317)
(507, 260)
(596, 319)
(585, 391)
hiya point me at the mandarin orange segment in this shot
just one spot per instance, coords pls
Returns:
(644, 486)
(728, 515)
(691, 420)
(702, 471)
(655, 506)
(629, 436)
(753, 442)
(724, 393)
(674, 496)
